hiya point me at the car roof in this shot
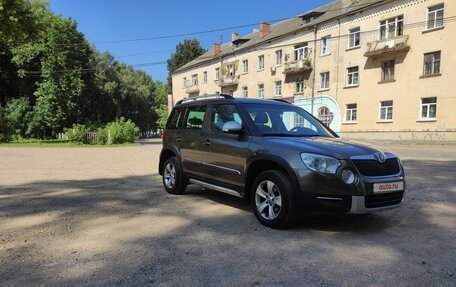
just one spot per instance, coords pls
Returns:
(221, 98)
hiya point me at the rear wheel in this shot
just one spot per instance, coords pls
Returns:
(174, 180)
(272, 199)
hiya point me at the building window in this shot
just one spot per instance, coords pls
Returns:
(245, 66)
(428, 108)
(299, 85)
(388, 70)
(278, 55)
(353, 76)
(245, 92)
(324, 81)
(217, 74)
(300, 52)
(278, 88)
(261, 62)
(205, 77)
(325, 45)
(386, 110)
(354, 38)
(195, 80)
(432, 63)
(325, 116)
(435, 16)
(351, 113)
(260, 91)
(392, 28)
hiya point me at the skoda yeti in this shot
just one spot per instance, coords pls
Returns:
(277, 156)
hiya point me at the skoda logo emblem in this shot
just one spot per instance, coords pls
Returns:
(380, 157)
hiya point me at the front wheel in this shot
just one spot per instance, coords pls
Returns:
(272, 199)
(174, 180)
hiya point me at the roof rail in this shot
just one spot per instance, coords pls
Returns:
(205, 97)
(283, 101)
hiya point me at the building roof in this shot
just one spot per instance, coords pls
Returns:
(327, 12)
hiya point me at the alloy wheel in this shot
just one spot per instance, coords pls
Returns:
(268, 200)
(170, 175)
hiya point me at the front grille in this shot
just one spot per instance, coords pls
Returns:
(375, 168)
(383, 199)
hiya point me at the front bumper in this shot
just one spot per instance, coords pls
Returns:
(358, 205)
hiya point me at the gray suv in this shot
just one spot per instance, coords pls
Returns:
(277, 156)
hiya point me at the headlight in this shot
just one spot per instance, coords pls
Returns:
(320, 163)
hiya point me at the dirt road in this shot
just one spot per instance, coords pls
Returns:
(99, 216)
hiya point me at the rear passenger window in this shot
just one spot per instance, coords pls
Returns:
(174, 119)
(195, 117)
(222, 114)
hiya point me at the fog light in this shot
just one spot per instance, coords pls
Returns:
(348, 176)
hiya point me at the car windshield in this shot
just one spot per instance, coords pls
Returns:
(286, 120)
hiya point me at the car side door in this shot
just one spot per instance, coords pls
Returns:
(223, 154)
(189, 139)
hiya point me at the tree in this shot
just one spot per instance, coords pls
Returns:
(161, 103)
(185, 52)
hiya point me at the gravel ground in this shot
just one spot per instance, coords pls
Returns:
(99, 216)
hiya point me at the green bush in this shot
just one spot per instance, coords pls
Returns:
(77, 134)
(121, 131)
(102, 136)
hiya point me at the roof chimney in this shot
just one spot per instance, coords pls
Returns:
(216, 49)
(234, 37)
(265, 28)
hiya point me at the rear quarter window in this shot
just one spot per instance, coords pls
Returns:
(174, 119)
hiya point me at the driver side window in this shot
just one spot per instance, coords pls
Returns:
(221, 114)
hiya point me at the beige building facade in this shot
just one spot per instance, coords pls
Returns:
(369, 69)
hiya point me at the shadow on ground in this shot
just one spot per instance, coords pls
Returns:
(128, 231)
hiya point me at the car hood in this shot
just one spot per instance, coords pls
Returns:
(335, 147)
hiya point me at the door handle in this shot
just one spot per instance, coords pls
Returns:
(207, 143)
(179, 139)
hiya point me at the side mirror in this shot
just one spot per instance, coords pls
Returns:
(232, 127)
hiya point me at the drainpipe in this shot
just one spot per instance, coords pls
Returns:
(337, 65)
(314, 69)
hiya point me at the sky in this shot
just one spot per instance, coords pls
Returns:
(113, 20)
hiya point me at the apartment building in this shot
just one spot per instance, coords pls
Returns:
(369, 69)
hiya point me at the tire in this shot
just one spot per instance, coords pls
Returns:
(268, 208)
(173, 177)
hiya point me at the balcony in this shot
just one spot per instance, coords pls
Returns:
(297, 67)
(231, 80)
(191, 87)
(377, 48)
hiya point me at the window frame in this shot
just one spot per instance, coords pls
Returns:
(433, 63)
(205, 77)
(384, 111)
(324, 80)
(278, 87)
(353, 36)
(428, 105)
(260, 95)
(352, 74)
(390, 75)
(217, 74)
(245, 92)
(352, 111)
(302, 50)
(299, 82)
(325, 45)
(260, 63)
(279, 58)
(194, 80)
(245, 66)
(435, 26)
(387, 23)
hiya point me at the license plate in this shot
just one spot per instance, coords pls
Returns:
(388, 186)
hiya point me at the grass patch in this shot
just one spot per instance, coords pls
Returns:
(56, 143)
